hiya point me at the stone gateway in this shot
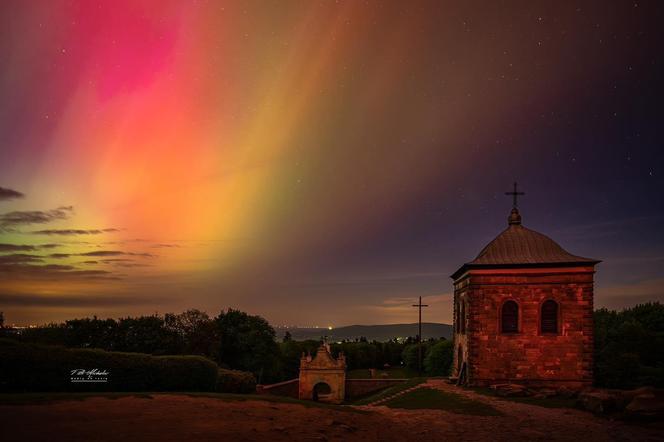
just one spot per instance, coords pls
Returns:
(323, 378)
(523, 313)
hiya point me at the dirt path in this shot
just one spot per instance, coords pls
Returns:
(520, 422)
(179, 417)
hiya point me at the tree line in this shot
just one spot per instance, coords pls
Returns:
(628, 344)
(233, 339)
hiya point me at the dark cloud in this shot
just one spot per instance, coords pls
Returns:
(24, 270)
(103, 253)
(26, 300)
(19, 258)
(4, 247)
(158, 246)
(48, 246)
(90, 262)
(130, 264)
(16, 247)
(72, 232)
(9, 194)
(26, 217)
(116, 253)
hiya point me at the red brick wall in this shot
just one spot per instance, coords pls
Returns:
(460, 338)
(528, 356)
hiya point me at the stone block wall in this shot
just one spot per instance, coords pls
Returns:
(529, 357)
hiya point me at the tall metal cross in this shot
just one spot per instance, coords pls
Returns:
(515, 194)
(419, 305)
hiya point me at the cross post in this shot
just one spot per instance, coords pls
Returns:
(419, 305)
(514, 195)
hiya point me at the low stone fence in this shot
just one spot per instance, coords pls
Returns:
(362, 387)
(354, 387)
(286, 388)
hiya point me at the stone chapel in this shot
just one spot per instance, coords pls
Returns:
(523, 312)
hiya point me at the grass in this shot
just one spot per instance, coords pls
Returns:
(49, 397)
(390, 373)
(551, 402)
(271, 398)
(389, 391)
(427, 398)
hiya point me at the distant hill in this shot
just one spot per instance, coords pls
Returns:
(371, 332)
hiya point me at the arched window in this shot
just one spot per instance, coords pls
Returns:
(510, 317)
(462, 318)
(549, 318)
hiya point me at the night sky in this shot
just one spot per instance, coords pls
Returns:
(319, 163)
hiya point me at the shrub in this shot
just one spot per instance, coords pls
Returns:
(235, 381)
(31, 367)
(439, 359)
(411, 353)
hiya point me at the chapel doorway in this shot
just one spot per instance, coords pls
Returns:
(322, 392)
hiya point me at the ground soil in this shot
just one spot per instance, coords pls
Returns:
(173, 417)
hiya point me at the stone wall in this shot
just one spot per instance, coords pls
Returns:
(286, 388)
(361, 387)
(529, 357)
(460, 339)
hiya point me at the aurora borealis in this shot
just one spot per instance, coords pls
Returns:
(318, 162)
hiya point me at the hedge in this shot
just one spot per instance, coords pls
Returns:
(33, 367)
(234, 381)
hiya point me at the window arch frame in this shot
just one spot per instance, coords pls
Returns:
(501, 319)
(540, 318)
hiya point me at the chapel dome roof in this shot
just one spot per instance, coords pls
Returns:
(518, 246)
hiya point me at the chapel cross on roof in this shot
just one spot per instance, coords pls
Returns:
(514, 194)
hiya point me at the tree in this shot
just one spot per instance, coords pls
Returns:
(2, 320)
(439, 358)
(628, 346)
(290, 353)
(198, 332)
(247, 343)
(287, 336)
(411, 353)
(91, 333)
(148, 334)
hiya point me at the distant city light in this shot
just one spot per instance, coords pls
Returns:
(329, 327)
